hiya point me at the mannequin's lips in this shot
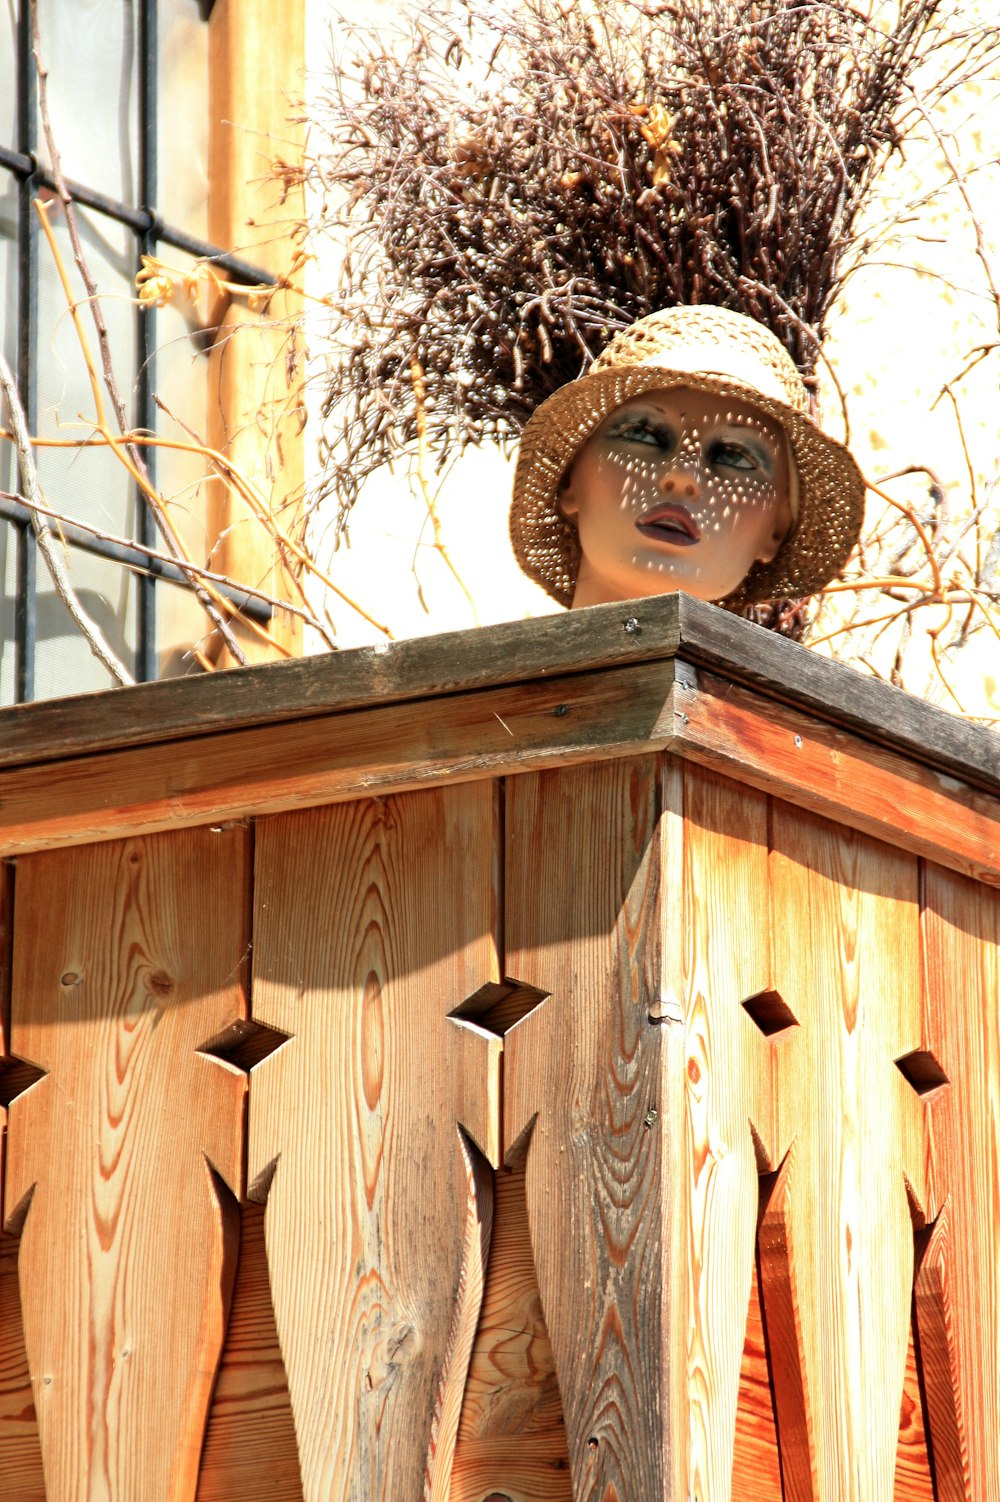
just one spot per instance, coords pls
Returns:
(669, 523)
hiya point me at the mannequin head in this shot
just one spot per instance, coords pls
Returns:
(684, 458)
(677, 489)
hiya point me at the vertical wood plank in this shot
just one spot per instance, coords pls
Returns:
(914, 1480)
(958, 1288)
(374, 920)
(511, 1440)
(837, 1258)
(583, 1072)
(728, 1091)
(756, 1463)
(250, 1453)
(20, 1457)
(127, 957)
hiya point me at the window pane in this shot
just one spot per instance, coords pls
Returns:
(8, 267)
(183, 111)
(182, 366)
(8, 463)
(89, 48)
(8, 573)
(89, 484)
(8, 73)
(180, 625)
(65, 663)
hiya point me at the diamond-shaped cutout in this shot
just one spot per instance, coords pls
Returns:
(16, 1076)
(499, 1004)
(922, 1071)
(770, 1013)
(244, 1043)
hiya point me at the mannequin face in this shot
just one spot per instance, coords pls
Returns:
(677, 489)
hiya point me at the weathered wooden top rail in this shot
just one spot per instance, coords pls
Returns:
(670, 675)
(608, 636)
(555, 1063)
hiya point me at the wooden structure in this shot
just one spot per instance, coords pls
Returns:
(558, 1063)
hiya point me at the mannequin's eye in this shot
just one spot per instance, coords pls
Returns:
(646, 431)
(733, 456)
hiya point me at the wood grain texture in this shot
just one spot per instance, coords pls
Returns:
(834, 773)
(20, 1457)
(6, 959)
(847, 961)
(958, 1303)
(584, 1073)
(250, 1453)
(533, 1469)
(256, 56)
(658, 628)
(756, 1460)
(729, 1101)
(511, 1387)
(373, 921)
(328, 683)
(323, 760)
(511, 1439)
(915, 1479)
(127, 956)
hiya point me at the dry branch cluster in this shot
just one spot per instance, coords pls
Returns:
(517, 183)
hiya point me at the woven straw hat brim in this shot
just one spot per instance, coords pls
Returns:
(831, 487)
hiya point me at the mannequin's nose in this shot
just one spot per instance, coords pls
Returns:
(680, 482)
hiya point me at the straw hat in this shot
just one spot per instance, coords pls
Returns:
(706, 349)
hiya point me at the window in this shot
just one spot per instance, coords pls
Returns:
(129, 84)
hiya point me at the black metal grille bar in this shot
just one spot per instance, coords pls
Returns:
(25, 609)
(145, 332)
(142, 221)
(171, 573)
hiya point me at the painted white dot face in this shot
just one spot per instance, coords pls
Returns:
(677, 489)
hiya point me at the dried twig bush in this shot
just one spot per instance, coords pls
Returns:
(517, 183)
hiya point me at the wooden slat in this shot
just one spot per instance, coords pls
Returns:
(373, 921)
(6, 948)
(511, 1440)
(402, 747)
(728, 1095)
(914, 1480)
(958, 1291)
(756, 1462)
(603, 636)
(837, 1241)
(584, 1073)
(250, 1453)
(511, 1387)
(127, 957)
(20, 1457)
(836, 774)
